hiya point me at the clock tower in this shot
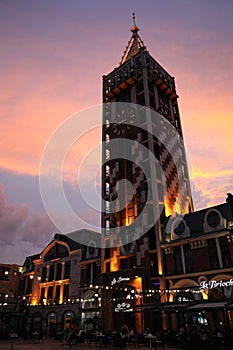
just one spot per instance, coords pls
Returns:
(134, 93)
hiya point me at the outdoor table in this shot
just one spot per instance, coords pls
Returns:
(99, 339)
(13, 335)
(36, 337)
(150, 337)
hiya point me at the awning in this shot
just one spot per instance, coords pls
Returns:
(207, 306)
(173, 307)
(168, 307)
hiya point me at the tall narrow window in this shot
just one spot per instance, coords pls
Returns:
(226, 256)
(107, 170)
(107, 154)
(188, 257)
(178, 260)
(213, 255)
(43, 276)
(58, 273)
(42, 294)
(57, 294)
(67, 269)
(107, 138)
(50, 293)
(51, 272)
(66, 292)
(107, 188)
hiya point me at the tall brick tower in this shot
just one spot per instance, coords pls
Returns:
(138, 264)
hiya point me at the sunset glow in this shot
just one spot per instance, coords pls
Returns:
(53, 56)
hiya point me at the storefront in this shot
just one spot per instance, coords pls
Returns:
(120, 294)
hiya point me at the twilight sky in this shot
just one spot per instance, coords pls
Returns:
(53, 56)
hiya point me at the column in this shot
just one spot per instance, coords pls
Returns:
(219, 252)
(156, 95)
(183, 258)
(61, 293)
(63, 270)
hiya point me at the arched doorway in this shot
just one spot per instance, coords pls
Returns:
(67, 317)
(123, 300)
(37, 321)
(90, 316)
(51, 323)
(183, 294)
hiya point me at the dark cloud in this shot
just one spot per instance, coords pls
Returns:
(21, 234)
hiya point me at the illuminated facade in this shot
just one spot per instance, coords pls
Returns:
(140, 79)
(53, 282)
(198, 260)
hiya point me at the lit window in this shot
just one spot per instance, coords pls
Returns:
(107, 154)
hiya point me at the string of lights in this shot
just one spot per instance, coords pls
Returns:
(133, 294)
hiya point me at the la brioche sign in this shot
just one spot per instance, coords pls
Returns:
(215, 284)
(120, 279)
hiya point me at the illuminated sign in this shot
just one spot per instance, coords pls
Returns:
(123, 307)
(215, 284)
(183, 299)
(120, 279)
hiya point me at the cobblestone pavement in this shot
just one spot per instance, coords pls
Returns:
(49, 344)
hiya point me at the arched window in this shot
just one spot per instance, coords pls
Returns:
(51, 322)
(66, 318)
(57, 251)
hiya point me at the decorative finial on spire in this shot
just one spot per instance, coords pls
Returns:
(134, 19)
(135, 44)
(134, 29)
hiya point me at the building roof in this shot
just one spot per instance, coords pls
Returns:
(198, 223)
(135, 44)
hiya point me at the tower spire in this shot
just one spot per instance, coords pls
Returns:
(135, 44)
(134, 29)
(134, 19)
